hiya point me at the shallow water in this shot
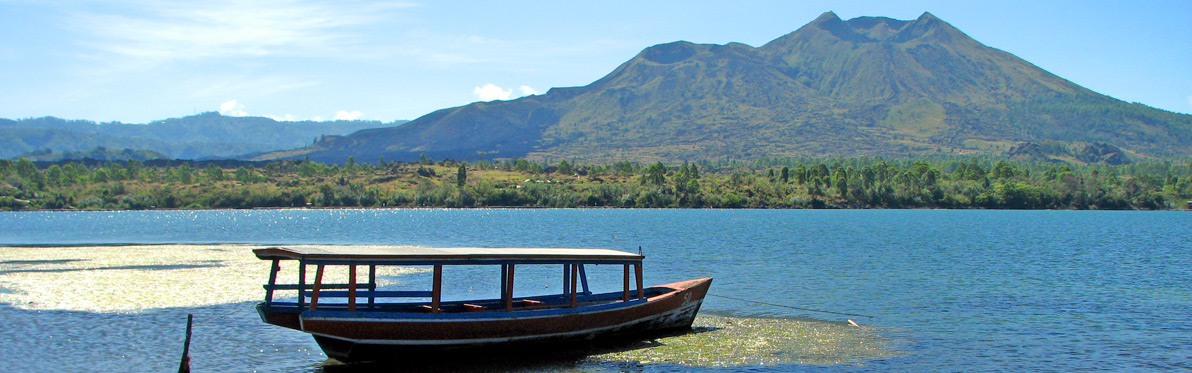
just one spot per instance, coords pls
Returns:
(947, 290)
(133, 300)
(725, 341)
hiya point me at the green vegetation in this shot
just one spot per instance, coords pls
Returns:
(970, 182)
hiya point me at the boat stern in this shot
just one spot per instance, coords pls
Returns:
(287, 317)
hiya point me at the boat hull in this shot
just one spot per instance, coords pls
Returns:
(356, 336)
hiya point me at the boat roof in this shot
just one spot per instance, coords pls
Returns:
(417, 255)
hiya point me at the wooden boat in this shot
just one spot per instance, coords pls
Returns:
(358, 321)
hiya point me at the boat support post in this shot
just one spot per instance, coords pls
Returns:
(566, 279)
(436, 294)
(625, 294)
(301, 284)
(272, 282)
(574, 269)
(509, 290)
(351, 287)
(314, 293)
(638, 268)
(583, 279)
(504, 281)
(372, 285)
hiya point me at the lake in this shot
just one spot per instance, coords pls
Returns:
(942, 289)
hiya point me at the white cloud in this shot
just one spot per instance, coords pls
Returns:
(232, 108)
(345, 115)
(491, 92)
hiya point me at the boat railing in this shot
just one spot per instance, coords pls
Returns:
(338, 301)
(374, 294)
(338, 291)
(575, 285)
(375, 297)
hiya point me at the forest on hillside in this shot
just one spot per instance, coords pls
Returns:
(864, 182)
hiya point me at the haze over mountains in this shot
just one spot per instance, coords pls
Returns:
(866, 86)
(205, 135)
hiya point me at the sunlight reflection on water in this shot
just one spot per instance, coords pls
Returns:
(135, 278)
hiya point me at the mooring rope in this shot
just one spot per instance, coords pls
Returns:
(791, 307)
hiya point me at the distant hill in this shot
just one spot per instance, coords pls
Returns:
(206, 135)
(866, 86)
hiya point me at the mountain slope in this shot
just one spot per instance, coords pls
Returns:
(866, 86)
(206, 135)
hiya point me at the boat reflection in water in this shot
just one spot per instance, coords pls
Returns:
(357, 321)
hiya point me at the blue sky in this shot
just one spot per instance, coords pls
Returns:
(143, 60)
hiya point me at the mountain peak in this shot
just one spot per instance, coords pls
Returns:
(876, 29)
(828, 16)
(928, 27)
(669, 53)
(865, 86)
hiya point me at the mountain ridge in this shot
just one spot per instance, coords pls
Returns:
(199, 136)
(867, 86)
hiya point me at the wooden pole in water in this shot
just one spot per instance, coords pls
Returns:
(184, 366)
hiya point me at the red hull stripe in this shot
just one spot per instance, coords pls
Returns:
(667, 310)
(674, 318)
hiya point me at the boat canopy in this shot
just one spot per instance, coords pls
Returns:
(413, 255)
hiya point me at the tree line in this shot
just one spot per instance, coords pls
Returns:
(860, 182)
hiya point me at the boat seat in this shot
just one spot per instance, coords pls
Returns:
(536, 304)
(468, 307)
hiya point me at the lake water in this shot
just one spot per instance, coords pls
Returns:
(945, 290)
